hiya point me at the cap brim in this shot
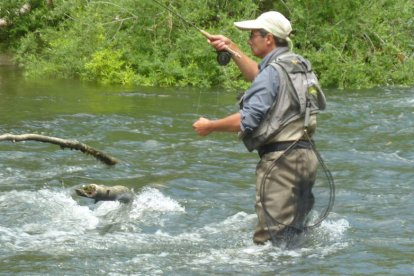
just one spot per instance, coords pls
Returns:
(248, 25)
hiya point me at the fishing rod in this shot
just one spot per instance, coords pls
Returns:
(223, 57)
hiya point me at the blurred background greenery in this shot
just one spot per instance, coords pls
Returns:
(351, 44)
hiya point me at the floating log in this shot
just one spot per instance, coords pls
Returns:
(63, 143)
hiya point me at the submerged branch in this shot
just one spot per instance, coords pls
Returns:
(63, 143)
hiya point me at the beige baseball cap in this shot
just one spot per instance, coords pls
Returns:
(272, 21)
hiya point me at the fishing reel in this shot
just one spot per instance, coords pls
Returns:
(223, 57)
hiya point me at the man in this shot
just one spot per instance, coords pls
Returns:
(277, 118)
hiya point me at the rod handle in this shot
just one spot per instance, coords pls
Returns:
(206, 34)
(228, 49)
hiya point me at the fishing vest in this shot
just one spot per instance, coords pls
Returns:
(298, 88)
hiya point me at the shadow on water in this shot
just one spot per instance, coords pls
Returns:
(193, 209)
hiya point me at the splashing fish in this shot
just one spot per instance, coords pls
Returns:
(105, 193)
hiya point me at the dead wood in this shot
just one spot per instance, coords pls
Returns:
(63, 143)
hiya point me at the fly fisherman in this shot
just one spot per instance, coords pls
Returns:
(277, 118)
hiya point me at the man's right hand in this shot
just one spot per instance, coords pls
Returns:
(219, 42)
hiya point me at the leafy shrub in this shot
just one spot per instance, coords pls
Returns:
(351, 44)
(107, 66)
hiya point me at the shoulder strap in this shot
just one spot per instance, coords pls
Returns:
(291, 64)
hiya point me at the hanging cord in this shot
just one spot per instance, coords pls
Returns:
(270, 221)
(331, 185)
(268, 217)
(327, 172)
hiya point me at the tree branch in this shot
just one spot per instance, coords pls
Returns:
(63, 143)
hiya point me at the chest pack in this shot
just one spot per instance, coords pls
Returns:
(299, 94)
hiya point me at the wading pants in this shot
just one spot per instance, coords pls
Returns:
(284, 196)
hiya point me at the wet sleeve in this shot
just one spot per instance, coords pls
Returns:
(259, 98)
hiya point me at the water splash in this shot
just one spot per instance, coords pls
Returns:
(52, 219)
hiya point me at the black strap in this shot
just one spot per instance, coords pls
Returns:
(282, 146)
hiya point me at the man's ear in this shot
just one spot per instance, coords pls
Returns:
(270, 39)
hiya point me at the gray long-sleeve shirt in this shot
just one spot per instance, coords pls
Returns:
(258, 99)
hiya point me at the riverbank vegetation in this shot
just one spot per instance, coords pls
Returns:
(352, 44)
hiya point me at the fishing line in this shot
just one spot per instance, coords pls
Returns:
(134, 16)
(198, 101)
(223, 57)
(178, 15)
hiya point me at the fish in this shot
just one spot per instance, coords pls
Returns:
(100, 192)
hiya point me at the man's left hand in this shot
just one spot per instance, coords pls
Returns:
(203, 126)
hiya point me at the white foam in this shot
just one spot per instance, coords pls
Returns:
(326, 239)
(334, 229)
(105, 207)
(61, 225)
(51, 209)
(151, 199)
(235, 222)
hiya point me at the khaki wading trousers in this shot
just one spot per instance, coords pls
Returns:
(284, 183)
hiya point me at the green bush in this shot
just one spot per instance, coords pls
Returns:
(356, 44)
(107, 66)
(352, 44)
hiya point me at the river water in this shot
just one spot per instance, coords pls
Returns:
(193, 212)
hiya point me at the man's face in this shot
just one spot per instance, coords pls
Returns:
(260, 44)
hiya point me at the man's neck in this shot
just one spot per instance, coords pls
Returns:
(270, 55)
